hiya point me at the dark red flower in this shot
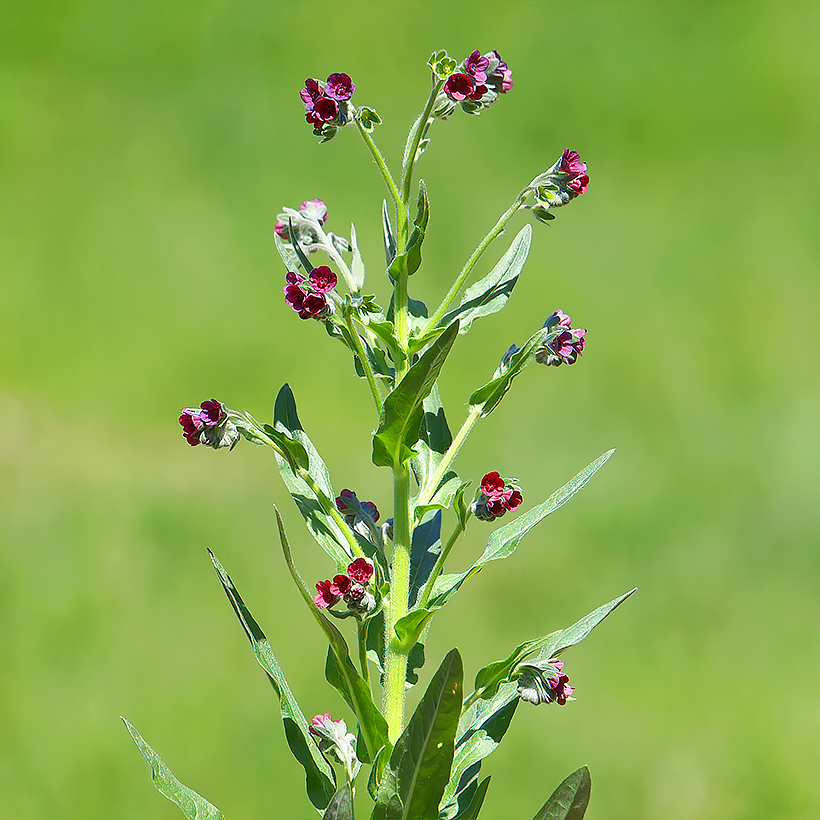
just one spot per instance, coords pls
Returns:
(492, 485)
(339, 87)
(340, 585)
(322, 279)
(361, 571)
(314, 307)
(459, 87)
(324, 597)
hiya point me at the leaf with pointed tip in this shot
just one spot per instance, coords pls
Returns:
(341, 806)
(287, 253)
(303, 260)
(490, 294)
(313, 509)
(320, 780)
(476, 801)
(503, 542)
(389, 237)
(425, 548)
(419, 765)
(402, 412)
(193, 805)
(434, 437)
(356, 265)
(569, 801)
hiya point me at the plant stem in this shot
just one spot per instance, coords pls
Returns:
(395, 656)
(368, 370)
(452, 451)
(416, 133)
(424, 597)
(473, 260)
(361, 630)
(381, 164)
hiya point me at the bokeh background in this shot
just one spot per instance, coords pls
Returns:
(145, 150)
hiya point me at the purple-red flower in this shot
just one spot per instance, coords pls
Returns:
(567, 346)
(349, 505)
(339, 87)
(561, 689)
(307, 297)
(326, 103)
(575, 170)
(544, 682)
(195, 421)
(501, 76)
(462, 87)
(477, 84)
(496, 497)
(475, 65)
(351, 587)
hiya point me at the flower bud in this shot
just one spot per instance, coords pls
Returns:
(543, 682)
(566, 347)
(209, 425)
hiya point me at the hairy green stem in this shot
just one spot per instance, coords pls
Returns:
(432, 483)
(485, 243)
(416, 133)
(427, 591)
(395, 661)
(381, 165)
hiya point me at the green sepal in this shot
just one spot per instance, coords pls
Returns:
(320, 781)
(402, 412)
(419, 766)
(194, 806)
(441, 64)
(368, 118)
(313, 509)
(569, 801)
(503, 542)
(491, 393)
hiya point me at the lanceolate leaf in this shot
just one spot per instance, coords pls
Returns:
(420, 763)
(356, 265)
(425, 549)
(476, 801)
(320, 780)
(491, 393)
(402, 412)
(503, 542)
(288, 255)
(434, 437)
(569, 801)
(389, 238)
(314, 510)
(193, 806)
(491, 293)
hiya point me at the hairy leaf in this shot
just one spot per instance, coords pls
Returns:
(193, 805)
(402, 413)
(356, 265)
(320, 779)
(569, 801)
(419, 765)
(341, 806)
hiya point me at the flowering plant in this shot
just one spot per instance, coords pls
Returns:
(387, 577)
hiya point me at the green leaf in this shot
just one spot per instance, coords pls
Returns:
(569, 801)
(303, 260)
(356, 264)
(287, 253)
(503, 542)
(402, 413)
(491, 393)
(425, 548)
(476, 800)
(491, 293)
(409, 627)
(313, 509)
(319, 776)
(341, 806)
(193, 806)
(419, 765)
(435, 437)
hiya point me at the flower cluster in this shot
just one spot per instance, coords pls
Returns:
(308, 296)
(307, 227)
(558, 185)
(333, 738)
(208, 425)
(495, 498)
(566, 347)
(476, 85)
(544, 683)
(328, 104)
(351, 587)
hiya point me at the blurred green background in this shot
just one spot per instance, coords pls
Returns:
(145, 150)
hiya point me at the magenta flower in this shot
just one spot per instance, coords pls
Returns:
(561, 689)
(196, 421)
(475, 65)
(566, 347)
(322, 279)
(361, 571)
(460, 87)
(500, 77)
(339, 87)
(341, 585)
(333, 738)
(495, 498)
(575, 170)
(315, 306)
(349, 505)
(281, 230)
(325, 597)
(543, 682)
(314, 209)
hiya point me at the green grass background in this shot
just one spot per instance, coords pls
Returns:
(145, 150)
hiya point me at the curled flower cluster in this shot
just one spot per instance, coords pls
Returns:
(307, 227)
(333, 737)
(351, 587)
(558, 185)
(566, 347)
(476, 85)
(349, 505)
(495, 498)
(327, 103)
(308, 296)
(544, 683)
(208, 425)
